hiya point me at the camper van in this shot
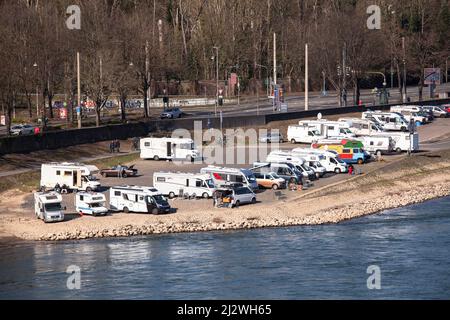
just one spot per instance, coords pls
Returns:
(66, 176)
(47, 206)
(137, 199)
(377, 144)
(298, 162)
(350, 151)
(226, 176)
(390, 120)
(92, 203)
(404, 141)
(303, 134)
(328, 159)
(329, 128)
(410, 114)
(362, 127)
(168, 148)
(287, 171)
(179, 184)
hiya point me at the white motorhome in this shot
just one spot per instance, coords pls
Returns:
(298, 162)
(390, 120)
(404, 141)
(178, 183)
(303, 134)
(137, 199)
(223, 176)
(329, 128)
(329, 159)
(48, 206)
(377, 144)
(68, 176)
(409, 115)
(363, 127)
(168, 148)
(92, 203)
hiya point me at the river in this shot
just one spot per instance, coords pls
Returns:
(410, 246)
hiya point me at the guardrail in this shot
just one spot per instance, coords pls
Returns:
(71, 137)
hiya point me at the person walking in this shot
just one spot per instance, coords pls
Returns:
(350, 169)
(111, 147)
(118, 146)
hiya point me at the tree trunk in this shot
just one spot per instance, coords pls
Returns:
(421, 88)
(50, 106)
(123, 102)
(8, 118)
(145, 88)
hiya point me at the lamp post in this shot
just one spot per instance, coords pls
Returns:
(35, 65)
(217, 79)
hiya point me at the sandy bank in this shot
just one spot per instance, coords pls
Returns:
(408, 181)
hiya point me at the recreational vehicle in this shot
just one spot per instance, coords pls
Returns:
(303, 134)
(137, 199)
(66, 176)
(350, 151)
(177, 183)
(405, 141)
(328, 159)
(409, 114)
(92, 203)
(168, 148)
(287, 171)
(362, 127)
(329, 128)
(298, 162)
(377, 144)
(47, 206)
(390, 120)
(226, 176)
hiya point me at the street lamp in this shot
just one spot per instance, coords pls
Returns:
(35, 65)
(217, 79)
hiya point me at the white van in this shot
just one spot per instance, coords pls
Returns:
(168, 148)
(223, 176)
(137, 199)
(390, 120)
(288, 157)
(47, 206)
(92, 203)
(409, 114)
(377, 144)
(329, 159)
(404, 141)
(303, 134)
(363, 127)
(68, 176)
(178, 183)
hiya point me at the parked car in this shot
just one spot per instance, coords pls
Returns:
(242, 195)
(270, 180)
(122, 171)
(437, 111)
(22, 129)
(172, 113)
(271, 137)
(446, 107)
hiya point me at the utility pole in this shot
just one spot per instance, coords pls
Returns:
(147, 75)
(344, 76)
(78, 91)
(404, 70)
(217, 80)
(306, 79)
(275, 59)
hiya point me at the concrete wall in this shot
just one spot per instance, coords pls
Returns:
(66, 138)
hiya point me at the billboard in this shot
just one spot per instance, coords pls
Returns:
(432, 76)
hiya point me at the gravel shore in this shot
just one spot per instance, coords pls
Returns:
(409, 181)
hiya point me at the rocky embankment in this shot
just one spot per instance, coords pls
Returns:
(334, 215)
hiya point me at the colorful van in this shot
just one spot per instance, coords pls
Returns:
(350, 151)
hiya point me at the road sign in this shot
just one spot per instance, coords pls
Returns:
(3, 120)
(78, 109)
(432, 75)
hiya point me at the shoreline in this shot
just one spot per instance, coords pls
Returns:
(400, 183)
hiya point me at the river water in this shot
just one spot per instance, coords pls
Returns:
(411, 247)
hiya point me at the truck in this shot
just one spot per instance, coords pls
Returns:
(328, 159)
(173, 184)
(48, 206)
(390, 121)
(92, 203)
(137, 199)
(65, 176)
(223, 176)
(168, 149)
(303, 134)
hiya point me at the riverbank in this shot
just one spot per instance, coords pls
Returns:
(406, 181)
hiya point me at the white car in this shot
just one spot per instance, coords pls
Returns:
(172, 113)
(242, 195)
(22, 129)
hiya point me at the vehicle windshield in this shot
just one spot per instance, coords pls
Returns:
(339, 160)
(346, 130)
(316, 132)
(275, 176)
(305, 167)
(210, 183)
(251, 178)
(97, 205)
(158, 198)
(317, 164)
(51, 207)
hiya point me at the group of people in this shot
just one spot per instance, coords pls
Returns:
(114, 146)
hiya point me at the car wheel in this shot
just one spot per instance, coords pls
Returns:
(398, 150)
(403, 129)
(88, 189)
(337, 170)
(104, 174)
(155, 211)
(293, 141)
(205, 195)
(360, 161)
(189, 159)
(236, 205)
(253, 200)
(156, 158)
(124, 175)
(58, 188)
(275, 187)
(126, 210)
(171, 195)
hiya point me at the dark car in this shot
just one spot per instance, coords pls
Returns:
(119, 171)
